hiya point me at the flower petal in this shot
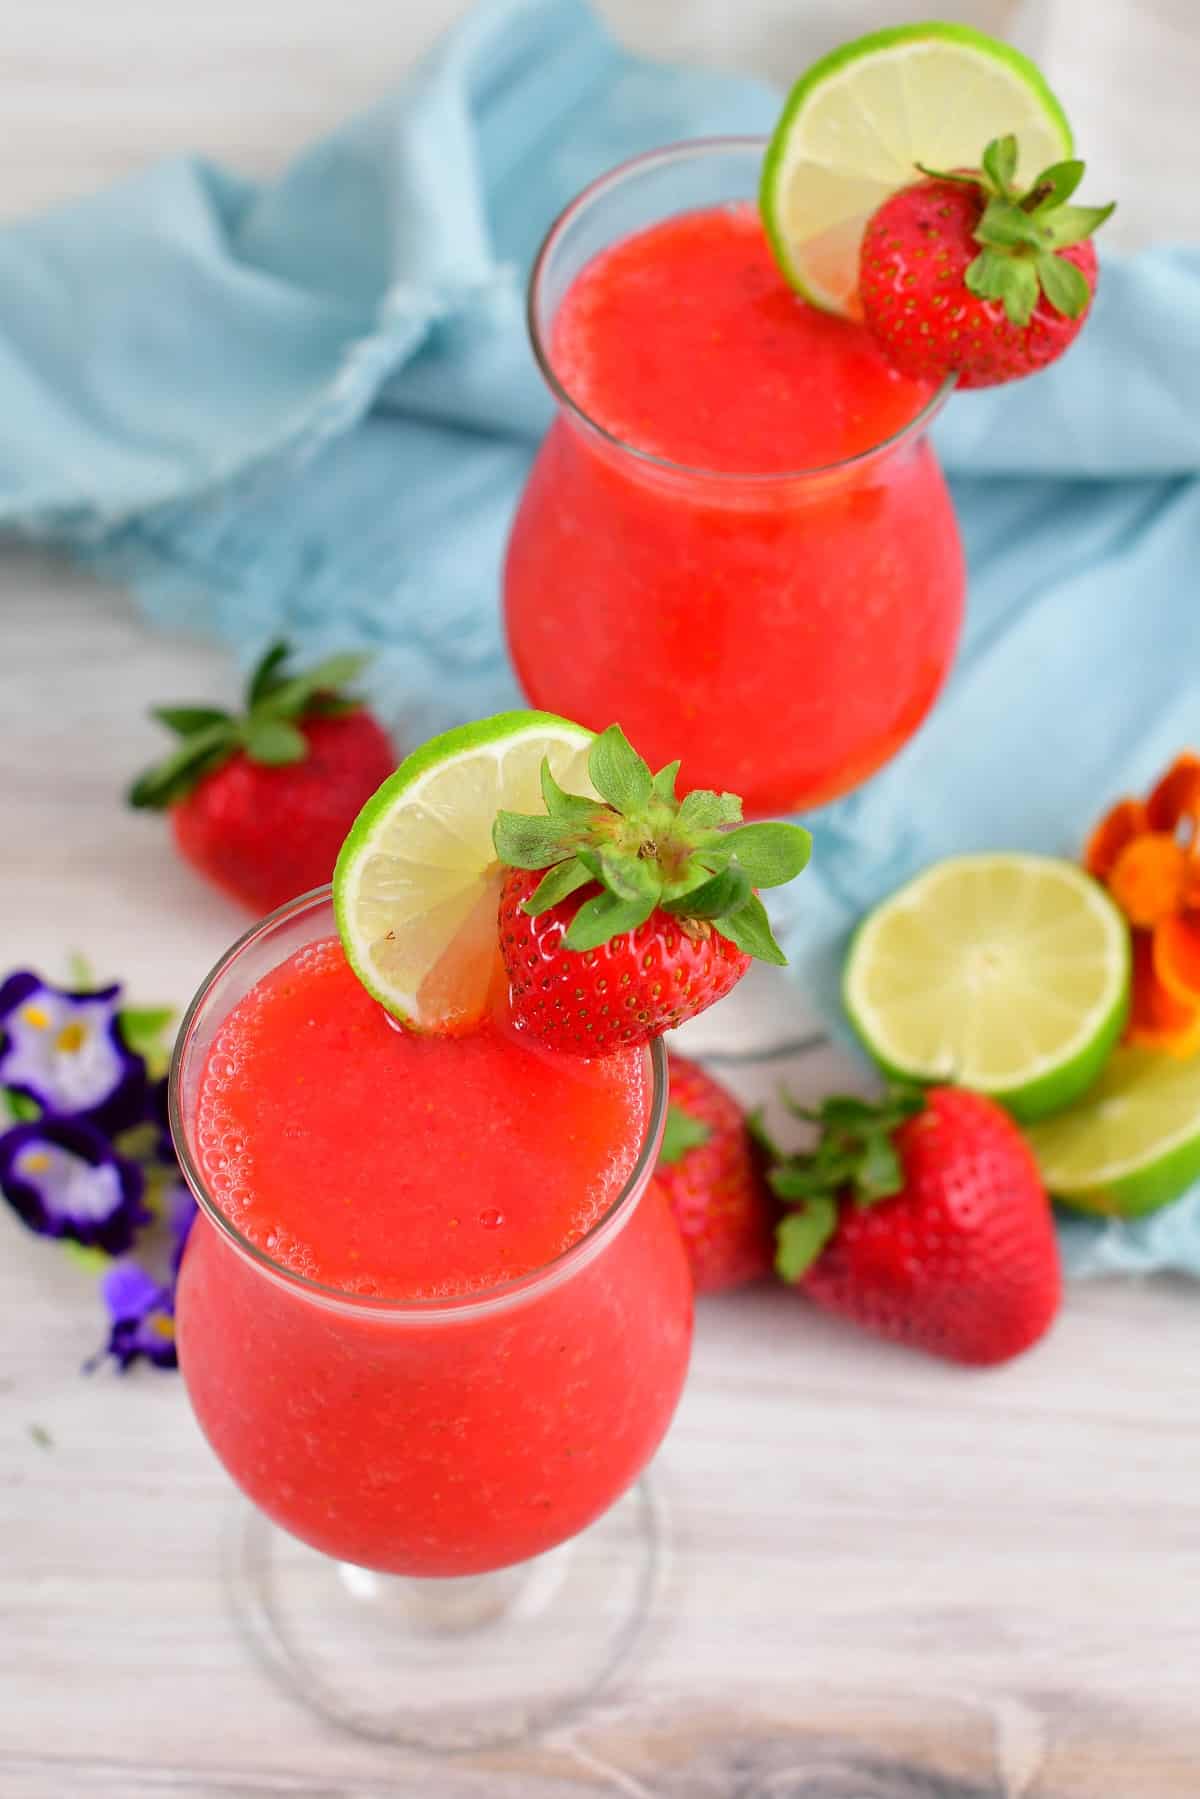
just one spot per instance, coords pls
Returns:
(1177, 956)
(143, 1317)
(1176, 798)
(1149, 879)
(1157, 1018)
(15, 989)
(65, 1180)
(1119, 826)
(64, 1051)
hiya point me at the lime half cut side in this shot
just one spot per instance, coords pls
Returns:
(1008, 974)
(857, 124)
(1132, 1144)
(417, 883)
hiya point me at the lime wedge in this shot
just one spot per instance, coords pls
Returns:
(1133, 1144)
(855, 126)
(1005, 973)
(417, 883)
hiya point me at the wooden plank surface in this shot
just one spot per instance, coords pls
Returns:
(889, 1579)
(877, 1559)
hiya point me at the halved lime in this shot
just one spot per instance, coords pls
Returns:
(1133, 1143)
(857, 124)
(417, 882)
(1005, 973)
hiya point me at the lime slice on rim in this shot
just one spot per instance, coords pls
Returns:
(1008, 974)
(1133, 1143)
(858, 122)
(417, 882)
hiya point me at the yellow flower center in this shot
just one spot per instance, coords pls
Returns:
(37, 1162)
(37, 1017)
(163, 1327)
(71, 1038)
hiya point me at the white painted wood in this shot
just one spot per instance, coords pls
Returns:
(883, 1566)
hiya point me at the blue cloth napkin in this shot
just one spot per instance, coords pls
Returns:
(307, 408)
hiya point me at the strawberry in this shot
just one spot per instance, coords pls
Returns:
(260, 804)
(629, 913)
(710, 1175)
(924, 1220)
(965, 274)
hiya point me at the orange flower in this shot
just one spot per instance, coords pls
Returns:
(1147, 853)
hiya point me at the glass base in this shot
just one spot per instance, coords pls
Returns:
(449, 1664)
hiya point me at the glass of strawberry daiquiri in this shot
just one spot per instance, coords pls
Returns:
(435, 1316)
(735, 538)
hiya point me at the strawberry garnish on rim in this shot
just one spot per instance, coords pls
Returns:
(627, 914)
(967, 273)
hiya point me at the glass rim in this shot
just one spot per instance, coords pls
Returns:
(688, 150)
(471, 1304)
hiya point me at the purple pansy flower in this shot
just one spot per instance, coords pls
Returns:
(143, 1316)
(140, 1300)
(66, 1180)
(65, 1052)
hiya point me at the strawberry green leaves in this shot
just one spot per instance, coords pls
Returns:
(802, 1235)
(1000, 163)
(1019, 235)
(702, 810)
(274, 742)
(276, 702)
(681, 1132)
(618, 773)
(1063, 284)
(186, 721)
(523, 840)
(604, 917)
(645, 850)
(854, 1159)
(993, 275)
(725, 892)
(562, 881)
(1071, 224)
(771, 854)
(315, 693)
(201, 751)
(750, 928)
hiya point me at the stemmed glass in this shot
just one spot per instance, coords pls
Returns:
(446, 1544)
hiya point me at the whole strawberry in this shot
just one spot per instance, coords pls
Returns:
(709, 1170)
(966, 274)
(260, 804)
(629, 913)
(924, 1220)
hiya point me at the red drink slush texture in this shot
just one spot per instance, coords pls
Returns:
(381, 1163)
(786, 632)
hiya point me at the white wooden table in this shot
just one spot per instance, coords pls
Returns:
(891, 1579)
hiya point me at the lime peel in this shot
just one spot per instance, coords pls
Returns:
(414, 884)
(1005, 973)
(859, 121)
(1131, 1145)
